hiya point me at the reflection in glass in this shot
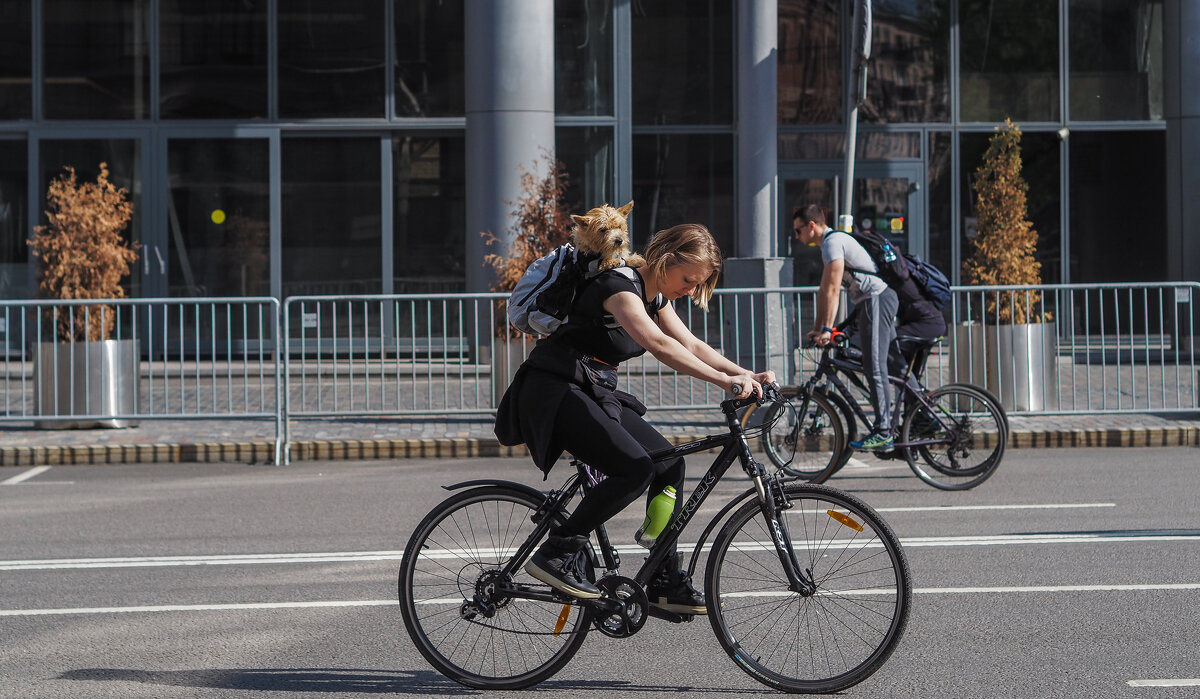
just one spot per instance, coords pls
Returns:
(909, 78)
(429, 58)
(1116, 59)
(1040, 169)
(97, 59)
(583, 57)
(218, 218)
(940, 181)
(1009, 60)
(429, 205)
(832, 146)
(810, 62)
(806, 260)
(331, 58)
(683, 179)
(1101, 248)
(16, 275)
(587, 153)
(16, 59)
(683, 62)
(331, 216)
(213, 59)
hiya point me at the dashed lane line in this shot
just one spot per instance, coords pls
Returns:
(37, 470)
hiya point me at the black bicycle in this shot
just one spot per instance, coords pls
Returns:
(807, 587)
(952, 437)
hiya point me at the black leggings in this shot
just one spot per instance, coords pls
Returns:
(619, 450)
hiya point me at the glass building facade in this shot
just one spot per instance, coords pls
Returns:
(284, 148)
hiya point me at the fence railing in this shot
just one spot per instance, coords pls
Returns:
(1101, 348)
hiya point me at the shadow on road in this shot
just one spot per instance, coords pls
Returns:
(347, 681)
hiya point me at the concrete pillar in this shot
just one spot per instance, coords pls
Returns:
(509, 82)
(754, 264)
(1181, 109)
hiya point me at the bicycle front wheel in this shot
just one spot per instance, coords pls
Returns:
(460, 549)
(804, 437)
(833, 639)
(960, 438)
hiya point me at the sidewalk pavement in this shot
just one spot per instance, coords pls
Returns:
(253, 440)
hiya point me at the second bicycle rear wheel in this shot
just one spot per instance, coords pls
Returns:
(830, 640)
(960, 442)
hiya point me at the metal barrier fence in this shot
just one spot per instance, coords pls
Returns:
(1102, 348)
(196, 358)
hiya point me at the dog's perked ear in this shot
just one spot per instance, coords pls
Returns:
(624, 210)
(581, 221)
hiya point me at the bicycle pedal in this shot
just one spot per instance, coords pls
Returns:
(672, 617)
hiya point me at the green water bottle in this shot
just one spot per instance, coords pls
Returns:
(658, 515)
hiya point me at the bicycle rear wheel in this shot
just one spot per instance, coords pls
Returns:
(833, 639)
(804, 437)
(964, 437)
(459, 549)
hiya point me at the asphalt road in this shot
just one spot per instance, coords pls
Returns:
(1071, 573)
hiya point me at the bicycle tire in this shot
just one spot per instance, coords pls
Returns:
(974, 433)
(831, 640)
(805, 437)
(849, 425)
(465, 538)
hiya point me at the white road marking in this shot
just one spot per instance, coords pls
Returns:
(159, 608)
(1164, 683)
(948, 508)
(361, 556)
(26, 475)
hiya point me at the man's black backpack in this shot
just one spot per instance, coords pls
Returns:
(912, 278)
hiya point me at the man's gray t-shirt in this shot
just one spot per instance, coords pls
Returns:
(836, 245)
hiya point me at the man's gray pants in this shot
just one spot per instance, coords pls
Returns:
(877, 329)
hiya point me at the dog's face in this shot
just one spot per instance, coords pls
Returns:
(603, 230)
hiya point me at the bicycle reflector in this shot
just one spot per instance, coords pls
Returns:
(845, 520)
(562, 618)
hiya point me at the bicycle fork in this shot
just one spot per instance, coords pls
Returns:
(773, 502)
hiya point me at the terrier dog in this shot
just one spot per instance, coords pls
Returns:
(602, 234)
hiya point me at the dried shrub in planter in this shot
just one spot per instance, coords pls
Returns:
(541, 223)
(81, 254)
(1004, 252)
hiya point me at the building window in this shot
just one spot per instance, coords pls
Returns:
(587, 154)
(583, 57)
(683, 178)
(909, 76)
(429, 204)
(1118, 224)
(218, 224)
(683, 62)
(213, 59)
(16, 59)
(810, 62)
(16, 277)
(1009, 60)
(429, 58)
(940, 199)
(97, 59)
(331, 216)
(1116, 60)
(331, 59)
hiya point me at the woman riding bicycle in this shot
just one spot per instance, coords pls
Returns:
(565, 398)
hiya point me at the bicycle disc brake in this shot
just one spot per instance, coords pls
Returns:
(622, 609)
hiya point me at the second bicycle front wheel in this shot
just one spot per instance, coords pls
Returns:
(804, 437)
(458, 552)
(830, 640)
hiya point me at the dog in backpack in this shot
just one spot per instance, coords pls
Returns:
(602, 234)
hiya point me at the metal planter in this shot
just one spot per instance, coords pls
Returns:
(87, 384)
(1017, 363)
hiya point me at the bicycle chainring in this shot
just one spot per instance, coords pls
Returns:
(622, 609)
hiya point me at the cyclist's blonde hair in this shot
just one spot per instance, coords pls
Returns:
(688, 243)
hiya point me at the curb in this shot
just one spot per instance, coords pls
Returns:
(261, 452)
